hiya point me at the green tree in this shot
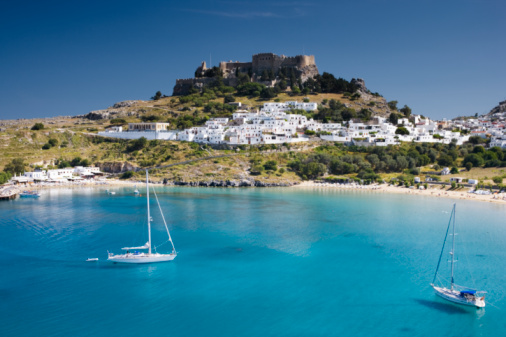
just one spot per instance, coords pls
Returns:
(75, 162)
(16, 166)
(497, 179)
(38, 126)
(256, 169)
(392, 105)
(62, 163)
(268, 93)
(478, 149)
(150, 118)
(393, 118)
(401, 130)
(271, 165)
(138, 144)
(229, 99)
(53, 142)
(475, 159)
(348, 113)
(406, 111)
(157, 96)
(126, 175)
(118, 121)
(445, 160)
(469, 166)
(4, 177)
(85, 162)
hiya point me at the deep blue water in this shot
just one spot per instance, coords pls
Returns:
(252, 262)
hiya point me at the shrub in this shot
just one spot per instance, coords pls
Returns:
(53, 142)
(38, 126)
(256, 170)
(473, 158)
(157, 96)
(271, 165)
(137, 144)
(454, 170)
(126, 175)
(229, 99)
(4, 177)
(497, 179)
(150, 118)
(401, 130)
(118, 121)
(46, 146)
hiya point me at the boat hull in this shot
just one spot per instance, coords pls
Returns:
(21, 195)
(455, 297)
(141, 258)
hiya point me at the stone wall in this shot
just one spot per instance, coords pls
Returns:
(230, 67)
(149, 135)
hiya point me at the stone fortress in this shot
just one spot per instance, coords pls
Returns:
(304, 67)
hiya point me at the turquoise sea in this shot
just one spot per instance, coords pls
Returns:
(252, 262)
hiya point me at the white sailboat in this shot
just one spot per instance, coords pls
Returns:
(136, 191)
(133, 256)
(455, 293)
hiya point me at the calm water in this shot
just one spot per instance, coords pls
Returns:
(252, 262)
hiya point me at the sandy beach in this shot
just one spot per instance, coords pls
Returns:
(432, 191)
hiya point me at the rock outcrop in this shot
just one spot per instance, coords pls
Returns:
(117, 110)
(501, 108)
(116, 167)
(360, 83)
(125, 104)
(230, 183)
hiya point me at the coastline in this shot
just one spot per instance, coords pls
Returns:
(434, 191)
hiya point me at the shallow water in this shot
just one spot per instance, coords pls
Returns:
(270, 262)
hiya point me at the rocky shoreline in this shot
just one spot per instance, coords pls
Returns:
(229, 183)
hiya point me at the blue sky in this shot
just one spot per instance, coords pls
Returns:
(441, 58)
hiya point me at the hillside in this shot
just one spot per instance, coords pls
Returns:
(74, 140)
(75, 134)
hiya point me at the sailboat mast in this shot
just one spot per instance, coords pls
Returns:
(453, 246)
(149, 215)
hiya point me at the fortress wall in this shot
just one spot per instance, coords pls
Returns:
(185, 81)
(267, 61)
(229, 67)
(264, 61)
(304, 65)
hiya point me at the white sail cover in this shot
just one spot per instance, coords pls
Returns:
(146, 246)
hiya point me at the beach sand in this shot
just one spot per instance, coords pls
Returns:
(432, 191)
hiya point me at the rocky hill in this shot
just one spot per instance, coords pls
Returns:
(500, 108)
(266, 68)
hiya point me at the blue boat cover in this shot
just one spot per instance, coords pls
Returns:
(468, 291)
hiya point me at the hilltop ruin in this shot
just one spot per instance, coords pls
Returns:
(301, 66)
